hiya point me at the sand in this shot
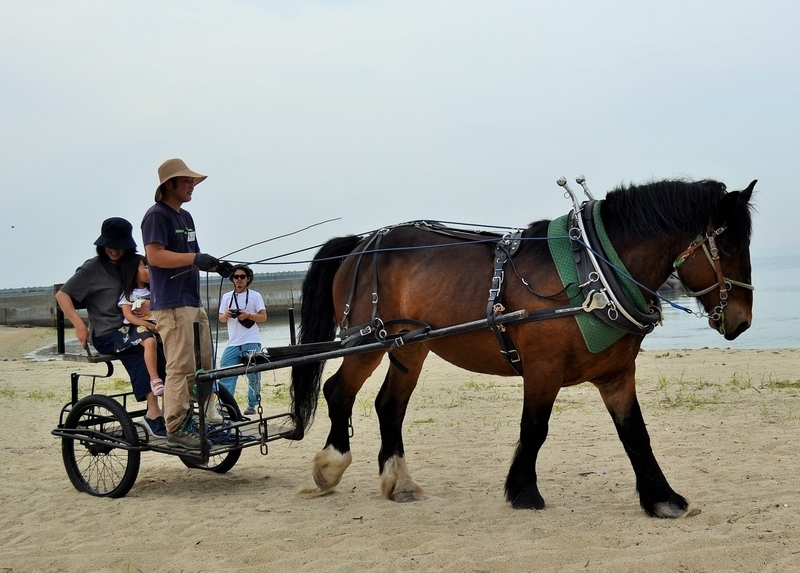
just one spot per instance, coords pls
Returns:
(724, 425)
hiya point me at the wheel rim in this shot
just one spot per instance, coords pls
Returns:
(100, 468)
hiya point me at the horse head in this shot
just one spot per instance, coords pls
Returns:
(721, 258)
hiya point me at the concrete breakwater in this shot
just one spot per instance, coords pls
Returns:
(37, 306)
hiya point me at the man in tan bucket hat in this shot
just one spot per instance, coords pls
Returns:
(175, 261)
(175, 168)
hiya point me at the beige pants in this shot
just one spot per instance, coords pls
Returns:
(176, 328)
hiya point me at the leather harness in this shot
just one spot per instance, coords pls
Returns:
(600, 289)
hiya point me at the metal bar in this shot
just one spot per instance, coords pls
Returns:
(518, 316)
(60, 345)
(292, 334)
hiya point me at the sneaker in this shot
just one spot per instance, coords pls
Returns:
(157, 386)
(185, 440)
(250, 411)
(156, 428)
(213, 415)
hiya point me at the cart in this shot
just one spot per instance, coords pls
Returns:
(101, 443)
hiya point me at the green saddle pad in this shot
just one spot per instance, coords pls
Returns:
(596, 334)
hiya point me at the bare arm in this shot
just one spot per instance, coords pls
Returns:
(260, 316)
(81, 331)
(159, 256)
(127, 312)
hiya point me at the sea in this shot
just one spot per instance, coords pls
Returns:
(776, 315)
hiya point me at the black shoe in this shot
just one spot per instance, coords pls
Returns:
(156, 428)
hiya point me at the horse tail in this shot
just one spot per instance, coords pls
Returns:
(317, 324)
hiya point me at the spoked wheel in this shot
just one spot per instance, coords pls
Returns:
(221, 463)
(101, 468)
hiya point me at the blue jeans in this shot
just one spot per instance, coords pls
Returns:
(232, 357)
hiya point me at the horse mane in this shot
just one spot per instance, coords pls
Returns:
(662, 207)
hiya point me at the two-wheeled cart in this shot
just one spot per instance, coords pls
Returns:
(102, 442)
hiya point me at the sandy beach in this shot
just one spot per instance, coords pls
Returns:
(723, 424)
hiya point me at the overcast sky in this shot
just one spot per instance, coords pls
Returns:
(378, 113)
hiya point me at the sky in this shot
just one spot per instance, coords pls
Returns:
(377, 112)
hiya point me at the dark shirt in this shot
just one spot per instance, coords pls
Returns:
(96, 286)
(172, 288)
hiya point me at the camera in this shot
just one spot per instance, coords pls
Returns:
(235, 312)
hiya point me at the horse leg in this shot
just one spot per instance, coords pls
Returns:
(391, 404)
(655, 494)
(522, 491)
(340, 392)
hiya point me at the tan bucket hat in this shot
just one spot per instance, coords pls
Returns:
(175, 168)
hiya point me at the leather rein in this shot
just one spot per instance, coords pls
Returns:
(709, 244)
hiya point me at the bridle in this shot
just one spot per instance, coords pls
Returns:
(724, 284)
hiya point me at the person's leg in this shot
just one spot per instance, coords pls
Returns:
(150, 358)
(133, 361)
(231, 356)
(175, 326)
(253, 379)
(213, 413)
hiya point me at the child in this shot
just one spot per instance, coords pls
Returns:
(139, 329)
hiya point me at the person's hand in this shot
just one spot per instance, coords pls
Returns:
(206, 262)
(225, 269)
(82, 334)
(142, 308)
(242, 316)
(151, 327)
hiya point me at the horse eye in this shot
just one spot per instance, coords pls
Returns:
(728, 250)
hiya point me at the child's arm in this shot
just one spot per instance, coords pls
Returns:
(127, 312)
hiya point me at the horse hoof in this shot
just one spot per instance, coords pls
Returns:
(668, 510)
(528, 501)
(329, 467)
(407, 495)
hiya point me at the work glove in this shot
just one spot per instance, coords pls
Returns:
(225, 269)
(205, 262)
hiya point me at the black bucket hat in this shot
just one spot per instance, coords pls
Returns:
(116, 233)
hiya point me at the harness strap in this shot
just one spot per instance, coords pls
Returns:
(503, 251)
(440, 229)
(348, 305)
(724, 284)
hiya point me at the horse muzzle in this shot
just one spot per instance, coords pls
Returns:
(725, 328)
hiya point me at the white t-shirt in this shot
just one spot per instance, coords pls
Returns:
(137, 296)
(248, 301)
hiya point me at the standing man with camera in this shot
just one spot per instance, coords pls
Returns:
(175, 262)
(241, 309)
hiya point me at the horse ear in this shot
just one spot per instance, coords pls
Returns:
(744, 196)
(731, 202)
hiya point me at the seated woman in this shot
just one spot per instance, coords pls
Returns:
(97, 286)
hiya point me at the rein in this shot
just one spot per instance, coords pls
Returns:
(724, 284)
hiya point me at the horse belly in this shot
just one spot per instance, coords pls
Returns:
(476, 352)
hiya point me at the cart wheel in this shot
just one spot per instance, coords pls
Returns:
(221, 463)
(101, 469)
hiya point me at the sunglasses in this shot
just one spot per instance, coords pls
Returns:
(239, 277)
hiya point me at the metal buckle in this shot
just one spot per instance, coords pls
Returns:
(595, 300)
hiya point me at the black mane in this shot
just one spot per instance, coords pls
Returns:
(663, 207)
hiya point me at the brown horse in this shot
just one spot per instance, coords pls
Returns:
(653, 228)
